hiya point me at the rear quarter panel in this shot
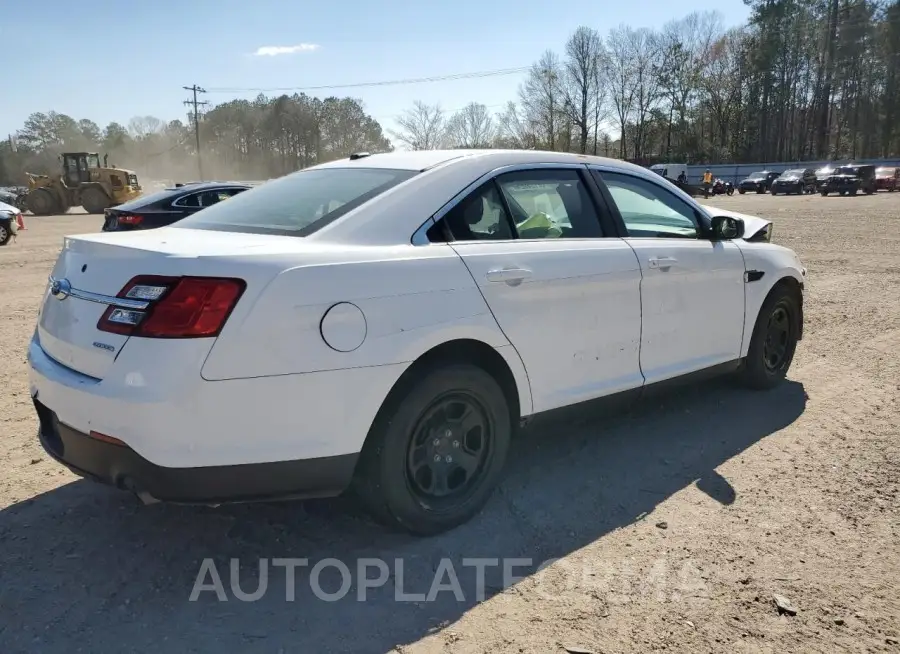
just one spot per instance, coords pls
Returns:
(413, 299)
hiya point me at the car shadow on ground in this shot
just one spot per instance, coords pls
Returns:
(89, 563)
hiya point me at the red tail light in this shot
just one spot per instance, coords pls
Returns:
(128, 219)
(177, 307)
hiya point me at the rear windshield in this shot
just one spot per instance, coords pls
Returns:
(143, 200)
(298, 204)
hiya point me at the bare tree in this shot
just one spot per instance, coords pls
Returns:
(144, 126)
(643, 46)
(471, 127)
(513, 129)
(621, 79)
(541, 97)
(583, 58)
(422, 127)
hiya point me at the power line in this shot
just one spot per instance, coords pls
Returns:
(196, 89)
(396, 82)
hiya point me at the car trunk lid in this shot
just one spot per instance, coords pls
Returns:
(93, 268)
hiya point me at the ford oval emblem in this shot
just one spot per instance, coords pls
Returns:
(60, 289)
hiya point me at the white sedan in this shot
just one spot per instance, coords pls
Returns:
(384, 323)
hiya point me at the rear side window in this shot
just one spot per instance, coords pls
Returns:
(528, 204)
(298, 204)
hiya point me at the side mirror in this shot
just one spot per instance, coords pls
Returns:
(727, 228)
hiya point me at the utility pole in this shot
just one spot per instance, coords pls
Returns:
(196, 89)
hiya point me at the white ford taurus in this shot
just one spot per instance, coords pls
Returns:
(384, 323)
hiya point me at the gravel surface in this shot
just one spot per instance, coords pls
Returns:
(714, 519)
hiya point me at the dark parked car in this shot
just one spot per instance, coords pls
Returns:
(797, 180)
(850, 179)
(757, 182)
(169, 205)
(824, 173)
(887, 178)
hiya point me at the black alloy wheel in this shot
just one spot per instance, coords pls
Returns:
(774, 339)
(778, 333)
(448, 450)
(436, 450)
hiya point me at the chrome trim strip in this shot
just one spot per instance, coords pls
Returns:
(99, 298)
(419, 238)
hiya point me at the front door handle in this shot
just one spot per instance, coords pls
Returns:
(512, 276)
(663, 263)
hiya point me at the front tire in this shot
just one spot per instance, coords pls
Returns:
(42, 202)
(94, 201)
(5, 234)
(435, 454)
(774, 340)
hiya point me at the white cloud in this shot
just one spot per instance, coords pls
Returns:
(275, 50)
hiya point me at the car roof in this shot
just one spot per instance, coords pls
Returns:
(443, 174)
(203, 186)
(426, 159)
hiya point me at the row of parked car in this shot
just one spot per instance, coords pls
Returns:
(844, 179)
(848, 179)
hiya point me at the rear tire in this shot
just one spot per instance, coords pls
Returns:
(5, 234)
(93, 200)
(42, 202)
(435, 454)
(774, 340)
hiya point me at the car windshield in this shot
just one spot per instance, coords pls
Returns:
(788, 174)
(824, 171)
(298, 204)
(847, 170)
(885, 171)
(757, 176)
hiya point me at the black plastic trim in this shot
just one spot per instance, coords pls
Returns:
(122, 467)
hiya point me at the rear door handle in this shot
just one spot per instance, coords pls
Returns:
(663, 263)
(512, 276)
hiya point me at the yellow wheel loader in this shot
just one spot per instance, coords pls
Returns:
(83, 182)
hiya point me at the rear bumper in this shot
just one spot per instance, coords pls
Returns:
(120, 466)
(154, 401)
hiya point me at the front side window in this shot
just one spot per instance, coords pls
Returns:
(297, 204)
(648, 210)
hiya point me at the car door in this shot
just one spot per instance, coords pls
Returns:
(565, 293)
(692, 292)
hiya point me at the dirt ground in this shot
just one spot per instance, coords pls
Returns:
(672, 526)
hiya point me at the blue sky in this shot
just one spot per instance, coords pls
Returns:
(110, 60)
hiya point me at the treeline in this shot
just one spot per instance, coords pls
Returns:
(241, 139)
(803, 79)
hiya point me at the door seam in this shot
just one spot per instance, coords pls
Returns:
(497, 322)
